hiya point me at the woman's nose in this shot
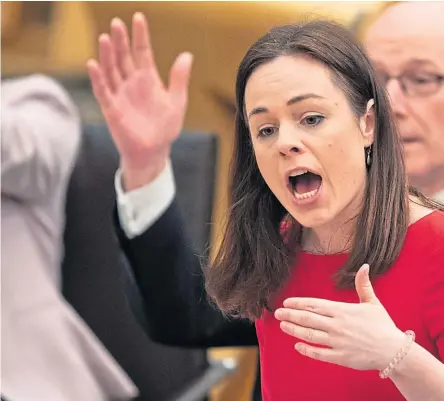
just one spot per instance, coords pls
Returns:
(288, 141)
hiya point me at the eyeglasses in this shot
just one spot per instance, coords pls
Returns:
(415, 84)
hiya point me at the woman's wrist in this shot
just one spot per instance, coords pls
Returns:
(393, 345)
(404, 370)
(140, 176)
(403, 351)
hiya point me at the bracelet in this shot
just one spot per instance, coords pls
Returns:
(410, 338)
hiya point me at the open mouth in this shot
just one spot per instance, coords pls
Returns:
(304, 184)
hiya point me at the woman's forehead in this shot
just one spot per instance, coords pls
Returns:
(289, 73)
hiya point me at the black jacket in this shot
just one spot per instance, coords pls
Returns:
(169, 275)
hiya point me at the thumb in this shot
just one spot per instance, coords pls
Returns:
(363, 285)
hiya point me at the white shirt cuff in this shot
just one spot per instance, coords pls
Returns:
(139, 209)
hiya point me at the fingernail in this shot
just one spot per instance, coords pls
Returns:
(115, 21)
(285, 327)
(278, 314)
(188, 57)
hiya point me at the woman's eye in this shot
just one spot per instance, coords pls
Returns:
(312, 120)
(266, 131)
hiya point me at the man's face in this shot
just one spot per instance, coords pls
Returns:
(408, 41)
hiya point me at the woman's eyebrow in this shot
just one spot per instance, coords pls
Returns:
(293, 100)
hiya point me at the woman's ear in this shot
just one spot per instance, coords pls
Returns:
(367, 124)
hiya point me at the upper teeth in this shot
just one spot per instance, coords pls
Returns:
(296, 173)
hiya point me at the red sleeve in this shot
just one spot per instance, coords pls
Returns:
(433, 296)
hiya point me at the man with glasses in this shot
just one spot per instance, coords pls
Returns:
(406, 44)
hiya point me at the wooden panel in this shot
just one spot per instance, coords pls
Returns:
(11, 20)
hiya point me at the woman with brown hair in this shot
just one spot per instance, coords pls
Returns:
(320, 204)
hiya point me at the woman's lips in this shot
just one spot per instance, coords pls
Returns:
(304, 199)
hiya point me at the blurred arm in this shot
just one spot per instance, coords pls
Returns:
(168, 271)
(40, 134)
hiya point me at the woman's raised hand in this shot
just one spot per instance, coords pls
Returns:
(144, 115)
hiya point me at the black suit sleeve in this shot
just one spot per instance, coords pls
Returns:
(169, 276)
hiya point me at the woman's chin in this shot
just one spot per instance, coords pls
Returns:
(314, 218)
(315, 222)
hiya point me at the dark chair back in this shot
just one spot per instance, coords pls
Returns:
(95, 272)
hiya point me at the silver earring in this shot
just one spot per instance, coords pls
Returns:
(369, 157)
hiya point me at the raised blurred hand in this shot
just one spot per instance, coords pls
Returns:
(143, 115)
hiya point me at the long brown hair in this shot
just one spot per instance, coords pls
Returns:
(254, 260)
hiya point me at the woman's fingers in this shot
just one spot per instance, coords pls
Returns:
(180, 77)
(141, 45)
(120, 41)
(309, 335)
(108, 64)
(305, 319)
(100, 88)
(119, 61)
(320, 354)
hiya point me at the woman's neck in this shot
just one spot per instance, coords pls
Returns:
(337, 235)
(328, 240)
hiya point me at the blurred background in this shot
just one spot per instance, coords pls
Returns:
(56, 38)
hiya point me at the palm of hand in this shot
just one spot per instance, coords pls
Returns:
(144, 116)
